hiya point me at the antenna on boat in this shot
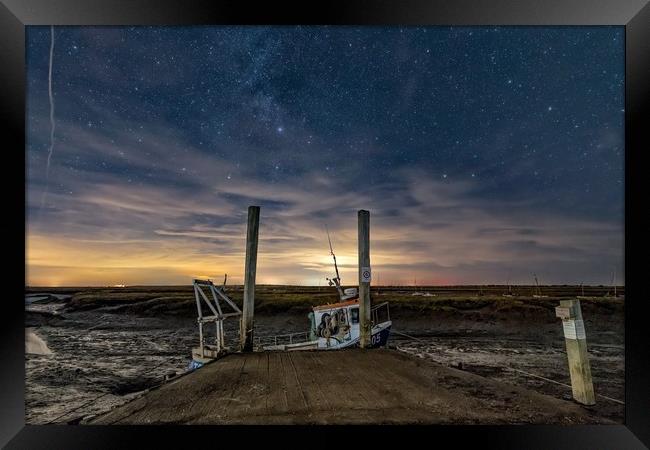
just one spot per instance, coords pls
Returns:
(337, 280)
(329, 240)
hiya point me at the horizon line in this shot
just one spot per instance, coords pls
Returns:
(323, 286)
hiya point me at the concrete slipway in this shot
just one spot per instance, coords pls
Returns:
(340, 387)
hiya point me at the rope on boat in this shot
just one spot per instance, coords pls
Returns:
(406, 335)
(524, 372)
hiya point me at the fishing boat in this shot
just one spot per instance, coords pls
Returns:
(336, 325)
(333, 327)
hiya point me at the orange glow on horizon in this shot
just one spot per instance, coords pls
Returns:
(63, 262)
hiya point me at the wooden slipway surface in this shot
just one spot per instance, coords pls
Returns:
(340, 387)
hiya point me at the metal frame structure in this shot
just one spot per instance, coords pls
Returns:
(375, 313)
(218, 316)
(261, 341)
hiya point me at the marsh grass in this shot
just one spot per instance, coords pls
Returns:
(272, 299)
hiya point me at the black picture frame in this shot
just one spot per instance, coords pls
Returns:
(634, 15)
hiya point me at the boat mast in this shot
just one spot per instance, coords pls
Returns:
(334, 281)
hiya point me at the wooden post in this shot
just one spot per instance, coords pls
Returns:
(364, 279)
(576, 348)
(246, 329)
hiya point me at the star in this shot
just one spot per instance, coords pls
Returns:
(329, 119)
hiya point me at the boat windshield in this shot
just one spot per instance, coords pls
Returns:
(354, 315)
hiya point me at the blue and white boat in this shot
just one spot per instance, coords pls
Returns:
(336, 325)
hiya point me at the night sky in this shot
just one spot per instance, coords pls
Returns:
(483, 154)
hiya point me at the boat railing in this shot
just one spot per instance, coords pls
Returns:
(281, 339)
(380, 313)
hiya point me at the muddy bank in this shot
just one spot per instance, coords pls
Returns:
(99, 360)
(106, 351)
(538, 364)
(481, 303)
(439, 316)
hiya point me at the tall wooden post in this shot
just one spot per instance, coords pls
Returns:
(364, 279)
(576, 348)
(248, 310)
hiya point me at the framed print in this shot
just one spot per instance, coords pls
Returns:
(410, 217)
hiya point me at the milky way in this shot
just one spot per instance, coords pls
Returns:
(485, 154)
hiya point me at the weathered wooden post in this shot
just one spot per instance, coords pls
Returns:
(248, 310)
(364, 279)
(576, 348)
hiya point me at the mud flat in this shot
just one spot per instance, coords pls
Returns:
(110, 345)
(539, 364)
(97, 360)
(342, 387)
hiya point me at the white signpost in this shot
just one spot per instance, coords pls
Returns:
(365, 275)
(576, 347)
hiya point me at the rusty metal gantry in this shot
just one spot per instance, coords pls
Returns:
(211, 351)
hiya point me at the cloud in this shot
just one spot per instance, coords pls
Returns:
(153, 184)
(435, 232)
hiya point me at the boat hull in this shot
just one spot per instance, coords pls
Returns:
(378, 338)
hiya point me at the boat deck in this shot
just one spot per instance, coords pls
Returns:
(340, 387)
